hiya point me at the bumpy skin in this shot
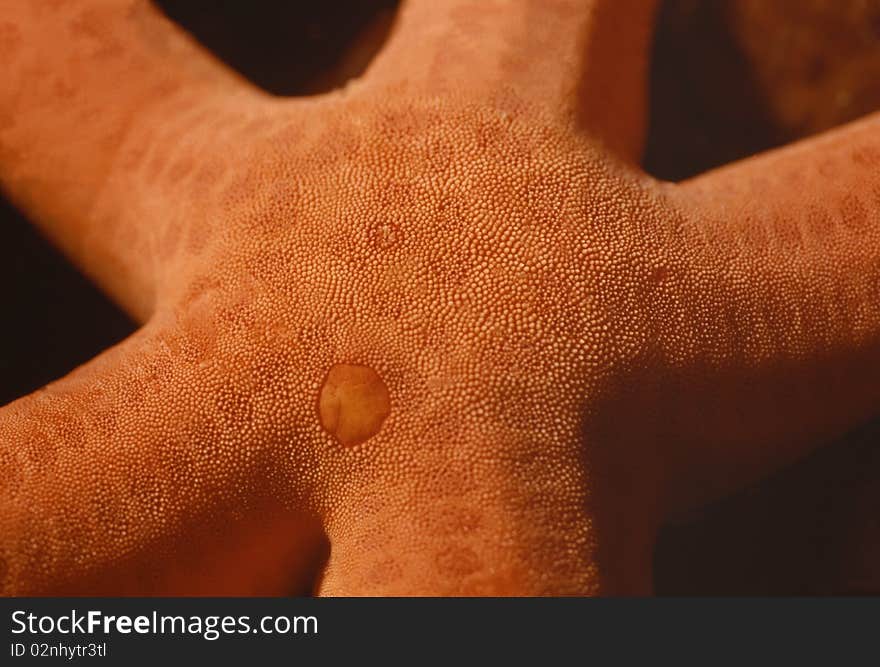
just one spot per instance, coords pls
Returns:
(573, 351)
(810, 65)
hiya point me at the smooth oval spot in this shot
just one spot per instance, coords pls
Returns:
(353, 403)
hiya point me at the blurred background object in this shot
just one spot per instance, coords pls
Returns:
(735, 77)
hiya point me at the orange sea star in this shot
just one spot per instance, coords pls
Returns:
(435, 332)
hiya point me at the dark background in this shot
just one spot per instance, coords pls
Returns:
(789, 534)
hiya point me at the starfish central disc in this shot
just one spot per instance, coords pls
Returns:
(353, 403)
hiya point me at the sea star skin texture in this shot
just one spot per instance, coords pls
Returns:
(572, 350)
(809, 529)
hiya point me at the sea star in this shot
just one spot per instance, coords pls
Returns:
(434, 333)
(769, 73)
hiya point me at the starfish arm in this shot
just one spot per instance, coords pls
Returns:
(786, 304)
(582, 60)
(446, 527)
(95, 96)
(117, 480)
